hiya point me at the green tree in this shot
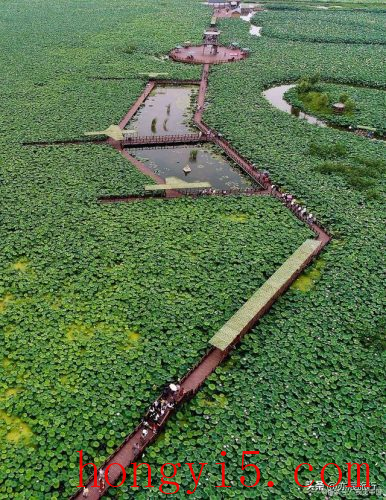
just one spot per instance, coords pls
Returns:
(322, 101)
(314, 79)
(350, 105)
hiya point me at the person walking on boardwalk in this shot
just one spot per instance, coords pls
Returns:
(85, 492)
(154, 427)
(174, 388)
(144, 433)
(101, 477)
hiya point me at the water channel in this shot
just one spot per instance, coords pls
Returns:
(205, 164)
(165, 112)
(275, 96)
(168, 111)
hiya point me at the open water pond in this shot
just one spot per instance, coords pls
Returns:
(275, 96)
(165, 112)
(206, 166)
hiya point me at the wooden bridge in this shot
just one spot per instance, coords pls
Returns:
(154, 140)
(246, 318)
(265, 296)
(222, 344)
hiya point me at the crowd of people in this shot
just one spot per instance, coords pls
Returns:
(222, 192)
(293, 205)
(154, 418)
(157, 411)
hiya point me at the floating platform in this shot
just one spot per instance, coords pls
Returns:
(175, 183)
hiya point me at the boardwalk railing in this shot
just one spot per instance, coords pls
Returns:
(173, 81)
(257, 175)
(164, 139)
(198, 59)
(193, 193)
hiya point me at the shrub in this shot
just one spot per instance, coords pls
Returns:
(322, 101)
(327, 151)
(343, 97)
(350, 106)
(193, 155)
(129, 49)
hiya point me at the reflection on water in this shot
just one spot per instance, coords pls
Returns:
(207, 167)
(165, 112)
(275, 96)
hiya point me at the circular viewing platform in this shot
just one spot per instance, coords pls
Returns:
(204, 55)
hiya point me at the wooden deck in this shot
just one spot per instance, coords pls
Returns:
(176, 183)
(201, 55)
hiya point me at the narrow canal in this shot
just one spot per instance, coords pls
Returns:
(275, 96)
(205, 164)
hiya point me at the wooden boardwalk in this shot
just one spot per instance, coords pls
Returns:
(127, 453)
(138, 103)
(155, 140)
(265, 296)
(227, 338)
(245, 319)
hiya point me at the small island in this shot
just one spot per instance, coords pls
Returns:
(359, 108)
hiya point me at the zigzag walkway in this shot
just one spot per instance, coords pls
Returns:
(224, 341)
(233, 331)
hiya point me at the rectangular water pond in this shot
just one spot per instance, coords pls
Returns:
(206, 166)
(165, 112)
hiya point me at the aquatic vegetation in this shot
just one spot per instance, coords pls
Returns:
(154, 125)
(237, 217)
(20, 265)
(173, 272)
(307, 280)
(331, 26)
(116, 293)
(193, 155)
(361, 173)
(4, 301)
(292, 374)
(368, 106)
(14, 430)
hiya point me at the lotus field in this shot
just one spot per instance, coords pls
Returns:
(101, 305)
